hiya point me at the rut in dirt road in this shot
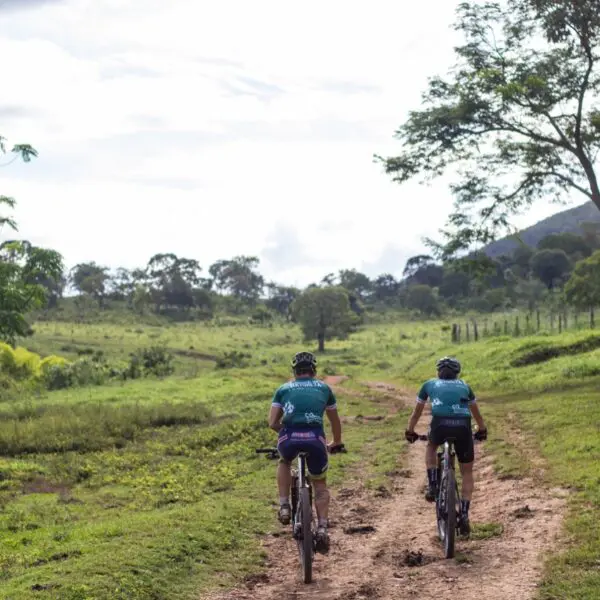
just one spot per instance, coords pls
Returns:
(384, 545)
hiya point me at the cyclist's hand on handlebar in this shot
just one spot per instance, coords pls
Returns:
(411, 436)
(334, 448)
(481, 435)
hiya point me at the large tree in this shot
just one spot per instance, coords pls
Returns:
(323, 313)
(91, 279)
(550, 266)
(239, 276)
(516, 119)
(172, 280)
(356, 282)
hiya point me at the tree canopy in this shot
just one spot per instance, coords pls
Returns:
(583, 287)
(515, 120)
(324, 313)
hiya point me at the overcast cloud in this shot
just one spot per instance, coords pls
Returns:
(211, 129)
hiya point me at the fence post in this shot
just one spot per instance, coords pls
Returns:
(537, 316)
(468, 337)
(560, 323)
(505, 326)
(592, 320)
(455, 333)
(565, 321)
(485, 327)
(527, 325)
(475, 331)
(517, 329)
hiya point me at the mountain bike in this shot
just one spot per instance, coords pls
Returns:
(303, 521)
(448, 500)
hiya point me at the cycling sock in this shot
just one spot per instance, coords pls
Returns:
(432, 476)
(322, 522)
(284, 502)
(464, 506)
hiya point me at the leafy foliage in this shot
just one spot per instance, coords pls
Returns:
(583, 287)
(22, 267)
(324, 313)
(515, 119)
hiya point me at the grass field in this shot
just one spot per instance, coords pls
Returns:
(150, 489)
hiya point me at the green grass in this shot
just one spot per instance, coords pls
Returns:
(485, 531)
(151, 489)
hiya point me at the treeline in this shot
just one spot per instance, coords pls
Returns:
(180, 288)
(563, 268)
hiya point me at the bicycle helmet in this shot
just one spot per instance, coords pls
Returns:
(304, 361)
(448, 364)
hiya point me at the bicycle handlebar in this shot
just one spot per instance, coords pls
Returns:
(273, 453)
(424, 438)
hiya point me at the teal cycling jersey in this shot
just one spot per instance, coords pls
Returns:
(304, 401)
(449, 397)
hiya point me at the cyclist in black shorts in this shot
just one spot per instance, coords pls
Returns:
(452, 404)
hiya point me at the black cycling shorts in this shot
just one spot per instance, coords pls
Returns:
(442, 428)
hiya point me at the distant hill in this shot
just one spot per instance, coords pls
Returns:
(569, 220)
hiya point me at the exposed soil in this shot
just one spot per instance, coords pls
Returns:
(384, 545)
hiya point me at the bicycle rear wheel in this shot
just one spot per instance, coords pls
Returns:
(447, 512)
(305, 543)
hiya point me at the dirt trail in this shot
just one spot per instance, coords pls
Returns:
(402, 558)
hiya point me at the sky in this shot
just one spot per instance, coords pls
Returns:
(213, 129)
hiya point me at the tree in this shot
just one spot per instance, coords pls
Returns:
(324, 313)
(90, 278)
(122, 285)
(281, 298)
(355, 282)
(515, 119)
(416, 263)
(571, 243)
(583, 287)
(239, 277)
(422, 298)
(455, 285)
(385, 287)
(22, 267)
(172, 280)
(550, 266)
(522, 258)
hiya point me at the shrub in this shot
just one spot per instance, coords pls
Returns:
(18, 363)
(233, 359)
(156, 360)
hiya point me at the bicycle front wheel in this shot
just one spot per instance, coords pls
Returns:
(306, 542)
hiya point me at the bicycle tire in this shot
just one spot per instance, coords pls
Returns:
(305, 544)
(450, 536)
(294, 495)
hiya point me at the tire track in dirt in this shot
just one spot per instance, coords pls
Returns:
(402, 557)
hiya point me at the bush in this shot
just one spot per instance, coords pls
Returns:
(156, 360)
(233, 359)
(18, 363)
(59, 375)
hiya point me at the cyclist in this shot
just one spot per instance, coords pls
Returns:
(297, 415)
(452, 404)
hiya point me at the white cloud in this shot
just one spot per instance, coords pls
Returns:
(220, 128)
